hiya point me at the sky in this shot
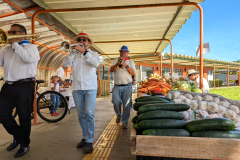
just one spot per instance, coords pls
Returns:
(221, 29)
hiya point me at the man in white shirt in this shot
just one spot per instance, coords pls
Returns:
(60, 74)
(193, 76)
(122, 91)
(84, 63)
(19, 60)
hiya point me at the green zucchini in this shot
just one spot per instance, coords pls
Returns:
(223, 124)
(164, 106)
(160, 114)
(162, 124)
(217, 134)
(167, 132)
(139, 104)
(134, 119)
(151, 98)
(136, 127)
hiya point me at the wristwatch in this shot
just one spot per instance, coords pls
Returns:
(127, 66)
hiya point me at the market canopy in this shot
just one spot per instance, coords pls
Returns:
(123, 24)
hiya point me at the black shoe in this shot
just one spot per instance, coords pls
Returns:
(13, 145)
(118, 120)
(22, 151)
(88, 148)
(81, 144)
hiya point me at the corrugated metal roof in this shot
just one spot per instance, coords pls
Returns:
(126, 24)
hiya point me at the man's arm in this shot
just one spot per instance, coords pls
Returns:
(68, 60)
(113, 68)
(28, 54)
(130, 69)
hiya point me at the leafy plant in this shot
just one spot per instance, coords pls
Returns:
(231, 93)
(211, 84)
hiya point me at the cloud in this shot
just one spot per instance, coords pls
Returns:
(226, 52)
(235, 53)
(237, 46)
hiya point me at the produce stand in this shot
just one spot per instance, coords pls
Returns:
(185, 147)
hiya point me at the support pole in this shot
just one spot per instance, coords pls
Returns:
(218, 78)
(161, 65)
(228, 76)
(214, 75)
(108, 72)
(239, 76)
(235, 78)
(196, 65)
(171, 58)
(99, 86)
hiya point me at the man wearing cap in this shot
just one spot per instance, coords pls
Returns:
(194, 76)
(122, 91)
(84, 62)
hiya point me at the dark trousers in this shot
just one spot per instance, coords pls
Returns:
(21, 96)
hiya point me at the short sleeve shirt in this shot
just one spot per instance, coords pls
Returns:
(205, 84)
(57, 87)
(122, 76)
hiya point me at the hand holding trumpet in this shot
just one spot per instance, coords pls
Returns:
(80, 48)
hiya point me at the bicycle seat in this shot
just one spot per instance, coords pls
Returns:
(40, 81)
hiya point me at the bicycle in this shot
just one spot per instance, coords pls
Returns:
(45, 106)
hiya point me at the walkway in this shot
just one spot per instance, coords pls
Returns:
(58, 141)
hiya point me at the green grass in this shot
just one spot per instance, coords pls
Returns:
(230, 93)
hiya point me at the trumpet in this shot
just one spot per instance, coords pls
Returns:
(120, 66)
(4, 37)
(66, 47)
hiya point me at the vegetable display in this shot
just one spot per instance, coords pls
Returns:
(206, 105)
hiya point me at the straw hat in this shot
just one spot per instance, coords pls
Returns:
(191, 71)
(84, 35)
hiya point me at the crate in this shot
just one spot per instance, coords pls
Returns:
(185, 147)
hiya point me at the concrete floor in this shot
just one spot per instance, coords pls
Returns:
(58, 141)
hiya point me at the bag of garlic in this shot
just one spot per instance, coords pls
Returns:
(212, 107)
(188, 96)
(234, 108)
(177, 100)
(207, 98)
(237, 119)
(202, 106)
(199, 98)
(230, 114)
(216, 100)
(221, 109)
(193, 104)
(224, 104)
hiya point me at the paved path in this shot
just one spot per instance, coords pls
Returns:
(57, 141)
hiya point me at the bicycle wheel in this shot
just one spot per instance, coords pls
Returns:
(52, 106)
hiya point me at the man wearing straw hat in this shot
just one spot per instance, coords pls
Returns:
(194, 76)
(84, 62)
(122, 91)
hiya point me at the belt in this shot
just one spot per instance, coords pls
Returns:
(19, 81)
(122, 84)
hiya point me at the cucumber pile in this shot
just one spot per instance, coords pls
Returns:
(159, 116)
(213, 127)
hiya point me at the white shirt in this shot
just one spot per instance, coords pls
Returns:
(84, 69)
(21, 63)
(57, 87)
(123, 76)
(205, 84)
(60, 72)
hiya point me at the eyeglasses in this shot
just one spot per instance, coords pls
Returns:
(79, 40)
(14, 32)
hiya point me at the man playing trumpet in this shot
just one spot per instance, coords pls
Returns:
(123, 69)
